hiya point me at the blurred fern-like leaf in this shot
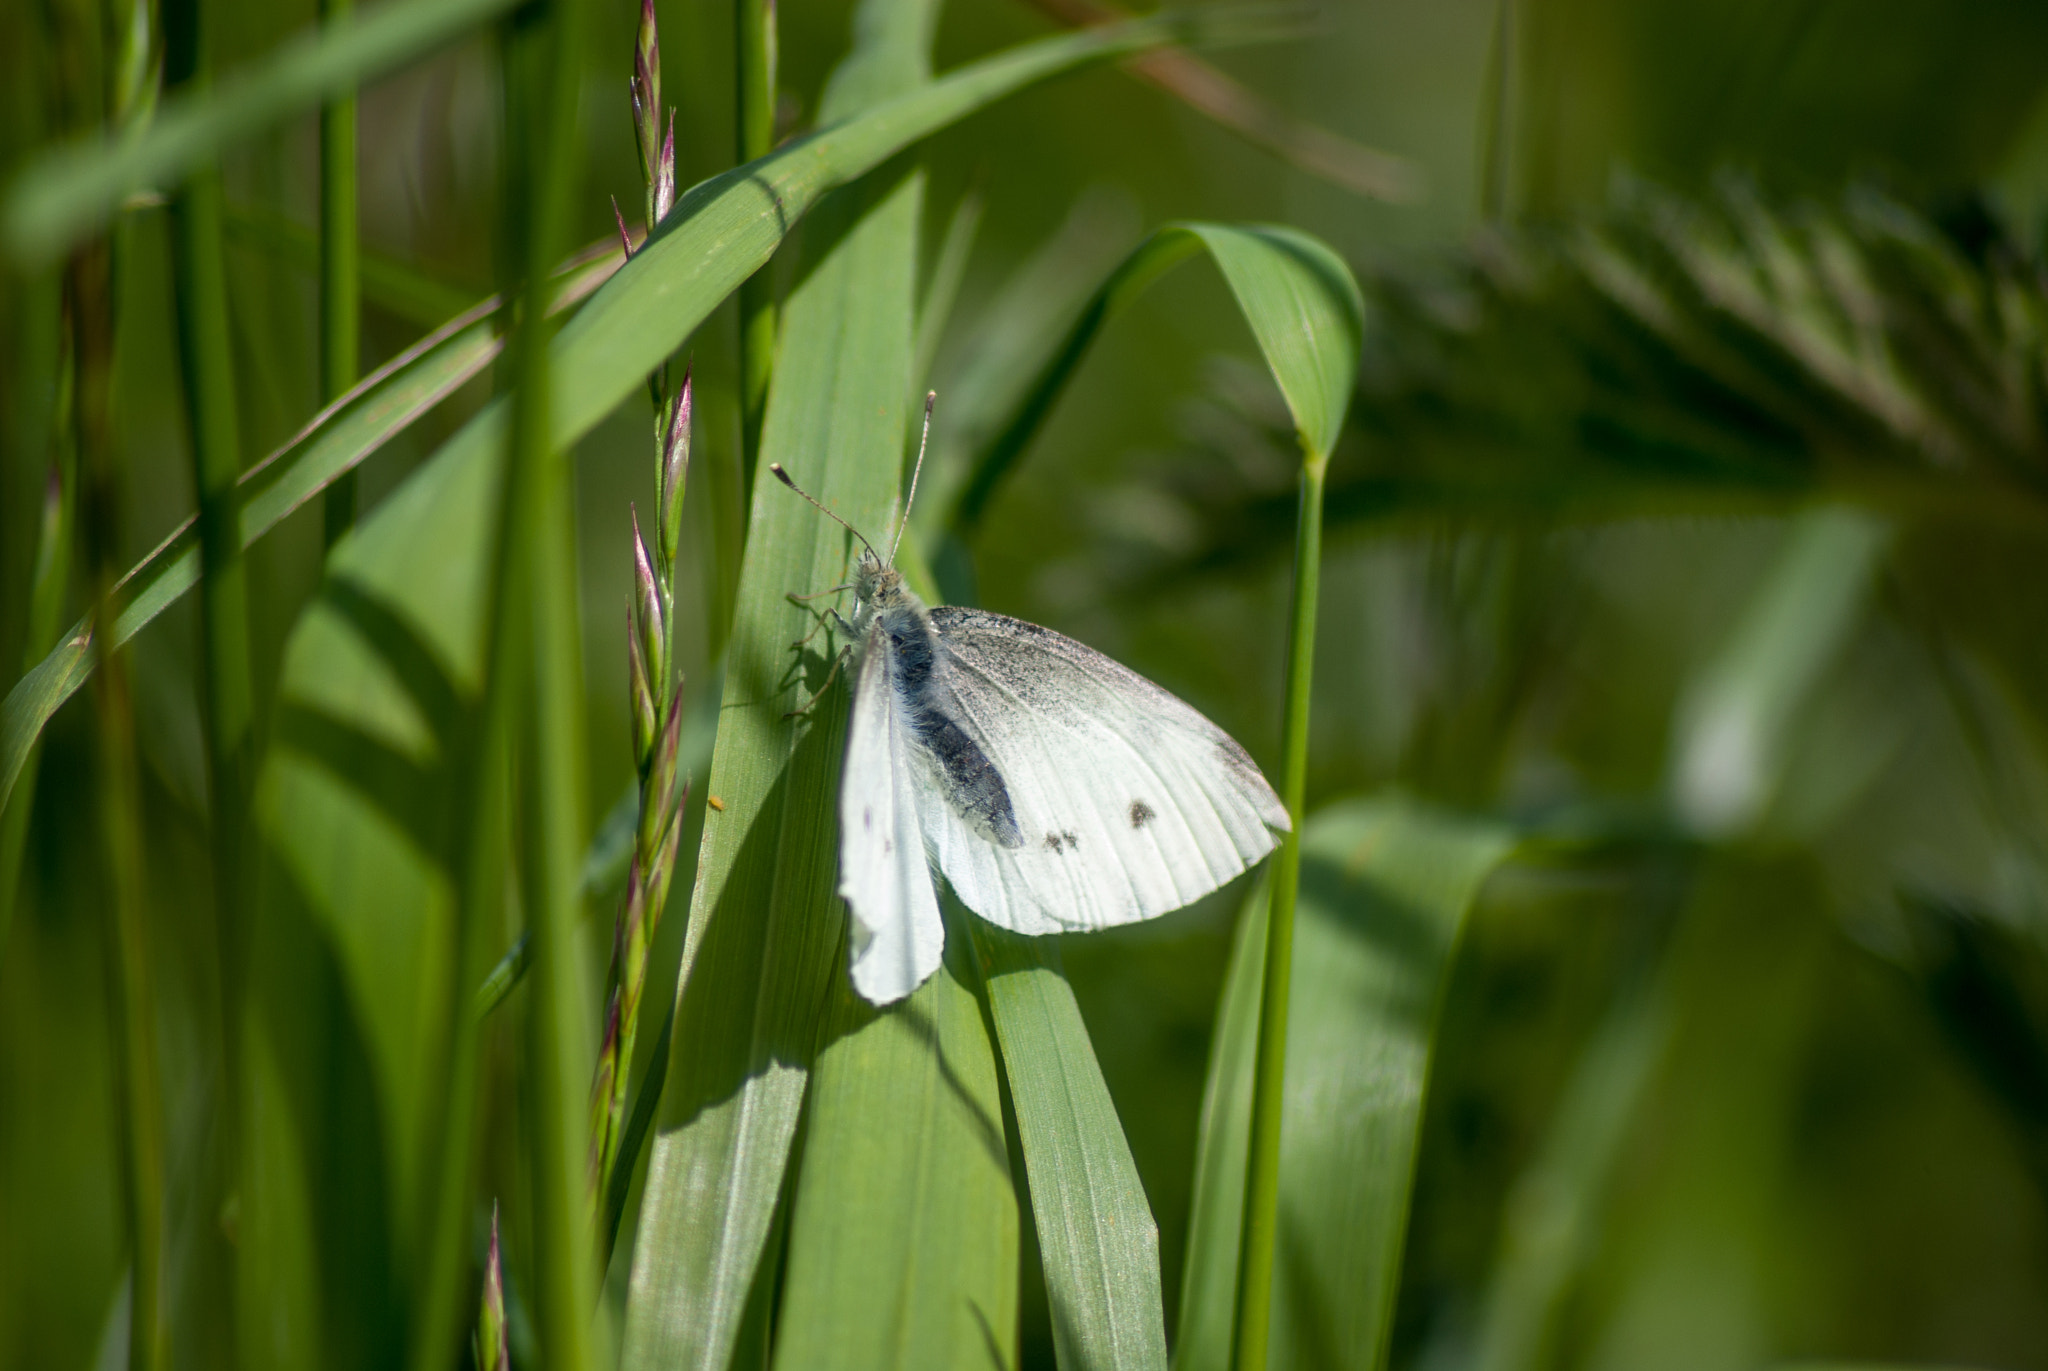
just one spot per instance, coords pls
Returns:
(1665, 353)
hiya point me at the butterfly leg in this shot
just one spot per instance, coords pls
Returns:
(830, 676)
(830, 616)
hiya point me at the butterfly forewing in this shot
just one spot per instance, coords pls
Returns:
(1129, 802)
(883, 876)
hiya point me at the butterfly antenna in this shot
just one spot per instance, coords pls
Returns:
(930, 398)
(784, 477)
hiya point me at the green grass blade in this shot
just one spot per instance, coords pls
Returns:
(65, 193)
(903, 1241)
(205, 354)
(903, 1233)
(1096, 1236)
(339, 439)
(340, 269)
(536, 679)
(754, 63)
(903, 1221)
(949, 269)
(1385, 887)
(1303, 306)
(1736, 723)
(50, 580)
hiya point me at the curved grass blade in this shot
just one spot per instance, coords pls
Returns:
(1096, 1236)
(339, 439)
(67, 192)
(1303, 306)
(1385, 887)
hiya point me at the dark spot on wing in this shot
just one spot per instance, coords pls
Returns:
(867, 820)
(1141, 814)
(1052, 842)
(1073, 842)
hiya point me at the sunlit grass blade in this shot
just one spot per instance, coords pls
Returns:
(339, 439)
(902, 1237)
(1098, 1242)
(1385, 888)
(66, 192)
(1734, 728)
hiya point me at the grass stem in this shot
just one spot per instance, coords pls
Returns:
(537, 646)
(754, 84)
(47, 585)
(1254, 1314)
(340, 299)
(131, 983)
(199, 278)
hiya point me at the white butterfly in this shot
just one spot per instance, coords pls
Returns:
(1055, 789)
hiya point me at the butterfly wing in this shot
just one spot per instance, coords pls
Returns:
(1129, 803)
(898, 936)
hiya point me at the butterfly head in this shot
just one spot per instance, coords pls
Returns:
(876, 585)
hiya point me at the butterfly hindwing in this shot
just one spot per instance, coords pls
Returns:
(1128, 803)
(883, 875)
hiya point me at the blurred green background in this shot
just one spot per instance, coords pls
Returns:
(1740, 616)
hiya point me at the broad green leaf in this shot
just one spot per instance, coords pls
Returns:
(1385, 887)
(903, 1242)
(1098, 1242)
(1298, 296)
(65, 193)
(902, 1230)
(339, 439)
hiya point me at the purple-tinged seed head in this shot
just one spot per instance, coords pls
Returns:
(675, 470)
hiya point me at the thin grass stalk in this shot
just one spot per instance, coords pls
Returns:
(51, 576)
(340, 272)
(199, 275)
(1254, 1313)
(754, 84)
(138, 1090)
(537, 635)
